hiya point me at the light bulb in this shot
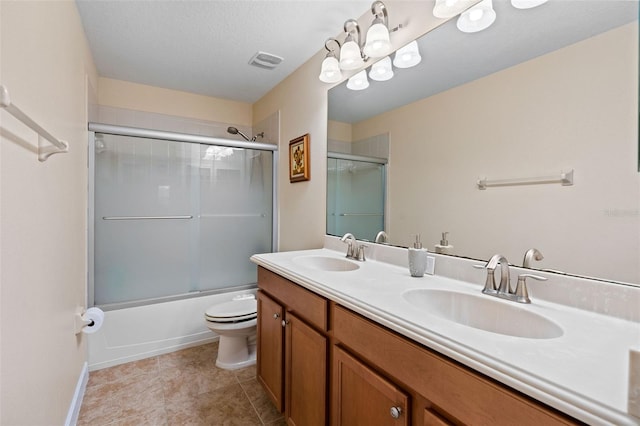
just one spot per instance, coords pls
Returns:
(407, 56)
(382, 70)
(478, 18)
(358, 81)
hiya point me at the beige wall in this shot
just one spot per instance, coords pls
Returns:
(575, 108)
(45, 64)
(302, 101)
(140, 97)
(337, 130)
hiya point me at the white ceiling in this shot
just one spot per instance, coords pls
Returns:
(204, 46)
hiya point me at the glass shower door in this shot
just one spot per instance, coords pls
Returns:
(175, 218)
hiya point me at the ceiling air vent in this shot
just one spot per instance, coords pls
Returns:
(265, 60)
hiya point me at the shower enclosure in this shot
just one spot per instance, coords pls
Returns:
(175, 216)
(355, 195)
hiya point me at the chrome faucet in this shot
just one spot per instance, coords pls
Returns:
(531, 255)
(381, 237)
(505, 279)
(503, 291)
(354, 251)
(349, 239)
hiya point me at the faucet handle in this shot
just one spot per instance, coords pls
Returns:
(490, 283)
(521, 294)
(361, 248)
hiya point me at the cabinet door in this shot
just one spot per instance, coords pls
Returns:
(306, 374)
(270, 343)
(362, 397)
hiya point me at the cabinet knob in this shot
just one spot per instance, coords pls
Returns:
(276, 315)
(285, 322)
(395, 412)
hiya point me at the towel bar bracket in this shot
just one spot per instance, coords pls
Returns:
(45, 152)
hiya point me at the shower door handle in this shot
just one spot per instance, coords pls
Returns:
(144, 217)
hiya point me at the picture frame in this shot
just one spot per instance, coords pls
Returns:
(299, 161)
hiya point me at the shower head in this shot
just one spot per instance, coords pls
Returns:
(235, 131)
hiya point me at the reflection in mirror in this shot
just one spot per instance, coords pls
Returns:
(355, 195)
(540, 92)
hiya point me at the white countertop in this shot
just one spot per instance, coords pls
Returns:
(584, 372)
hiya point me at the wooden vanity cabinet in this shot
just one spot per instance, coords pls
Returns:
(293, 347)
(442, 391)
(377, 376)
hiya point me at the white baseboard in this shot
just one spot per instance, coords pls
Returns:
(78, 395)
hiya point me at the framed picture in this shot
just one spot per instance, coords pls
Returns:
(299, 165)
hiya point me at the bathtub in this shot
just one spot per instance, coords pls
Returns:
(141, 332)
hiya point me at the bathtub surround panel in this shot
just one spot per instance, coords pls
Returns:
(48, 69)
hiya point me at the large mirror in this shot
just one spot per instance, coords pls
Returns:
(540, 93)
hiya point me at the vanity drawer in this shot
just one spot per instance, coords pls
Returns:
(465, 395)
(298, 300)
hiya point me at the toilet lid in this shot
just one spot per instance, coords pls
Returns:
(235, 310)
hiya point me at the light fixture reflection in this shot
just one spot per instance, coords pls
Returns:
(407, 56)
(217, 152)
(526, 4)
(359, 81)
(450, 8)
(478, 18)
(381, 70)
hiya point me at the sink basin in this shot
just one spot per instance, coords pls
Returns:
(484, 313)
(326, 263)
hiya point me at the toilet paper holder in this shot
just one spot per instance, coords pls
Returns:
(83, 320)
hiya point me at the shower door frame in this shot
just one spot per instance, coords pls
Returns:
(172, 137)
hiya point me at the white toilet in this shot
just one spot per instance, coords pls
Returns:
(235, 322)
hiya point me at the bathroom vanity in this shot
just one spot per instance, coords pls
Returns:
(345, 343)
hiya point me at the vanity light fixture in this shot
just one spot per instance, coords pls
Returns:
(377, 42)
(330, 71)
(526, 4)
(381, 70)
(407, 56)
(478, 18)
(351, 57)
(359, 81)
(450, 8)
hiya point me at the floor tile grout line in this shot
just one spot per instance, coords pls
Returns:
(255, 410)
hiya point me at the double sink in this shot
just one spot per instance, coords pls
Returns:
(475, 311)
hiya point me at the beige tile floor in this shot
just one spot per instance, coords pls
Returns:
(180, 388)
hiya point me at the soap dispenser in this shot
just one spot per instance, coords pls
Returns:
(444, 247)
(417, 259)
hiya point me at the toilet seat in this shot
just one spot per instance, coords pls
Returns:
(234, 311)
